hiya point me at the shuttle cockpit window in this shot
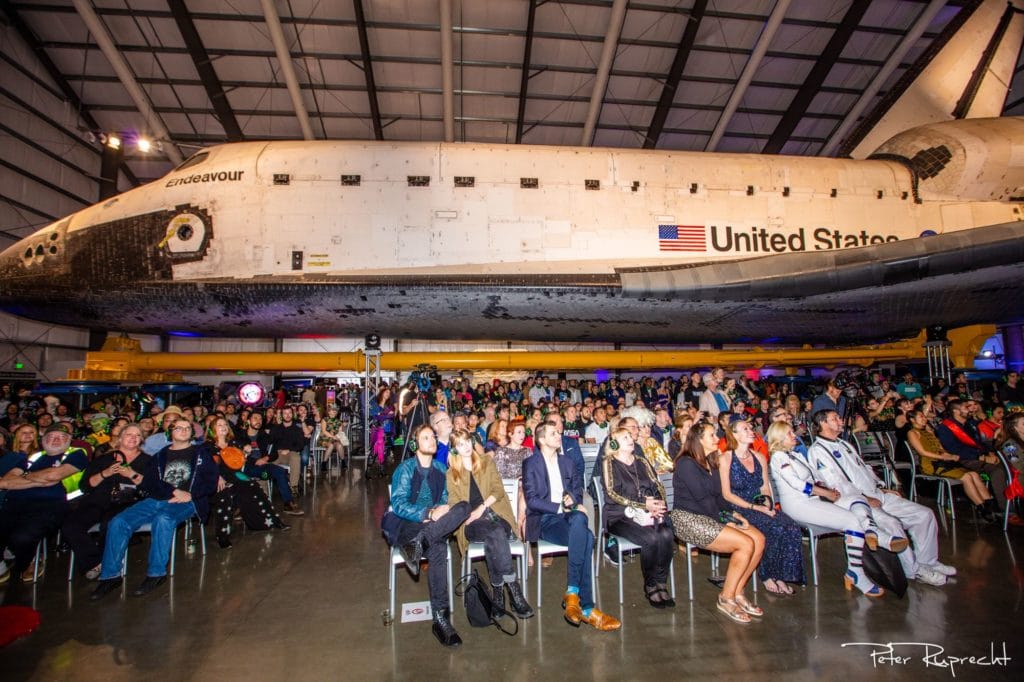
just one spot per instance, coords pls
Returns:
(192, 161)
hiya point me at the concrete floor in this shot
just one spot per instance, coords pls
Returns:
(307, 605)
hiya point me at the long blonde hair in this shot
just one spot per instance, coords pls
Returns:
(777, 436)
(455, 463)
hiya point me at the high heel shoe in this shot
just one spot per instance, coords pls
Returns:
(850, 579)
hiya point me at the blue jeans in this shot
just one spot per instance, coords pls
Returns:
(164, 517)
(573, 530)
(276, 474)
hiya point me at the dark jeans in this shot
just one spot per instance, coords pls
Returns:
(276, 474)
(657, 545)
(497, 553)
(23, 523)
(573, 530)
(996, 474)
(436, 549)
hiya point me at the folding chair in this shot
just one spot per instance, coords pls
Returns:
(148, 528)
(71, 560)
(814, 533)
(475, 550)
(395, 560)
(623, 546)
(945, 488)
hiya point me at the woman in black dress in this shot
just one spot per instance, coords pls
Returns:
(697, 508)
(635, 509)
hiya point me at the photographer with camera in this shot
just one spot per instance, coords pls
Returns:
(833, 398)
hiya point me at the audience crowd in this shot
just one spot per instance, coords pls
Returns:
(728, 464)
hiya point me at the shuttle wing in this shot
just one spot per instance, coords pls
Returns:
(977, 260)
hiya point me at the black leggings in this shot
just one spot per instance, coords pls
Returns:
(257, 512)
(657, 546)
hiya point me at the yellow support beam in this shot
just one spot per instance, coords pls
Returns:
(121, 359)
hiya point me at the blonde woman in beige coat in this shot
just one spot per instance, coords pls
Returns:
(474, 479)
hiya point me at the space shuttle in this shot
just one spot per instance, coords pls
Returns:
(518, 242)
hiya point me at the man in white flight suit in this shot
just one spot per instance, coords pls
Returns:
(840, 467)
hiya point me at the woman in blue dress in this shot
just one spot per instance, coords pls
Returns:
(745, 486)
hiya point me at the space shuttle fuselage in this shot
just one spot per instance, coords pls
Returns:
(245, 229)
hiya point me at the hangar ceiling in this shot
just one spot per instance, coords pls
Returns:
(768, 76)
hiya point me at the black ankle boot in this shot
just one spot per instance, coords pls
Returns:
(518, 600)
(444, 630)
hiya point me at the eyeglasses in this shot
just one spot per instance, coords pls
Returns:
(183, 427)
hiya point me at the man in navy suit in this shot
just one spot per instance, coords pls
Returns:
(553, 488)
(571, 449)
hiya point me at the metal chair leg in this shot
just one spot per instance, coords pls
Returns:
(689, 569)
(814, 557)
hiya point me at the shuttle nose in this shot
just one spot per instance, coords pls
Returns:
(27, 264)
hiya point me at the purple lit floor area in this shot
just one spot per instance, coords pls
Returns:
(307, 605)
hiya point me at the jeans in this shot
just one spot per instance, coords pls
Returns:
(436, 549)
(276, 474)
(497, 552)
(164, 518)
(573, 530)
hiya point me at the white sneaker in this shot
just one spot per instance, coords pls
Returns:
(929, 576)
(943, 569)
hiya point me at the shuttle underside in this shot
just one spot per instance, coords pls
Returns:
(856, 295)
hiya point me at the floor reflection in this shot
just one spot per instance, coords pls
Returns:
(306, 604)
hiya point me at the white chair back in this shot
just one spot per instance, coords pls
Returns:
(589, 451)
(511, 486)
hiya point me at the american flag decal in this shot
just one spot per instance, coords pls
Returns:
(682, 238)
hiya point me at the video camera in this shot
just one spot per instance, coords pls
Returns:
(852, 381)
(424, 376)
